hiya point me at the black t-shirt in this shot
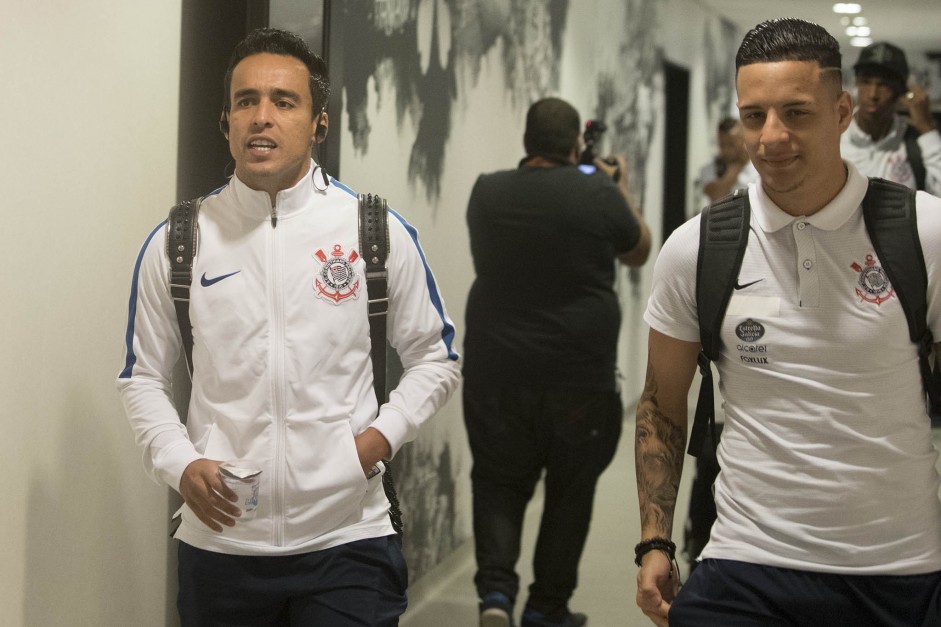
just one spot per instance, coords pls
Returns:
(542, 310)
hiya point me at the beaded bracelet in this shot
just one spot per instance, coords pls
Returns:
(654, 544)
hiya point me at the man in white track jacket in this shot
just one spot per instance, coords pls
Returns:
(282, 376)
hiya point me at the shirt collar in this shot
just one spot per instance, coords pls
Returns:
(832, 216)
(858, 137)
(256, 203)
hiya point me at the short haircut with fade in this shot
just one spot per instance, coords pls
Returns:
(789, 39)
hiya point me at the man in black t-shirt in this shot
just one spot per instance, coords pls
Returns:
(540, 349)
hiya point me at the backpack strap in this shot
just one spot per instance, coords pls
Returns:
(723, 237)
(182, 240)
(891, 221)
(913, 150)
(374, 247)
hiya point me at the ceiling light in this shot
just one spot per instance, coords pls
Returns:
(845, 21)
(859, 21)
(847, 7)
(860, 42)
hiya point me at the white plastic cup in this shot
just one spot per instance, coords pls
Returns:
(243, 478)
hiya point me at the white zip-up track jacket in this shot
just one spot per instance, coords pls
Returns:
(282, 371)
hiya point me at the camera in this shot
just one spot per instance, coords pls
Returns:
(594, 129)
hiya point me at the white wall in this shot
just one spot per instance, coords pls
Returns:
(87, 169)
(90, 119)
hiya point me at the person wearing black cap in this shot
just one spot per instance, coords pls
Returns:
(879, 141)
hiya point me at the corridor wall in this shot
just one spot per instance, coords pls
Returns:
(89, 112)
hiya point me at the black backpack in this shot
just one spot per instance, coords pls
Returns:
(889, 213)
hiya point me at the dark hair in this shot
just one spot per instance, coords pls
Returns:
(552, 128)
(276, 41)
(727, 124)
(789, 39)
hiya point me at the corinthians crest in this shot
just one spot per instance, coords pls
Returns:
(873, 285)
(337, 280)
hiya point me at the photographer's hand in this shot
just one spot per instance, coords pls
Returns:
(615, 166)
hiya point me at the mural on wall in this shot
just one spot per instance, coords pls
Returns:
(720, 44)
(626, 98)
(426, 477)
(425, 48)
(423, 57)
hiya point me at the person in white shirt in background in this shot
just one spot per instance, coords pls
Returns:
(880, 142)
(731, 168)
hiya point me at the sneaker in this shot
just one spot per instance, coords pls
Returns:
(532, 618)
(496, 610)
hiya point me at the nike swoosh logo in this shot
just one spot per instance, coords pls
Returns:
(741, 287)
(207, 282)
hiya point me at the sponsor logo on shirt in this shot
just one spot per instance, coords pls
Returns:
(750, 332)
(873, 285)
(205, 281)
(337, 280)
(741, 286)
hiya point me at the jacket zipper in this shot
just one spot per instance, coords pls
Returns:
(276, 374)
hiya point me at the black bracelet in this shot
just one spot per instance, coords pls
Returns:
(654, 544)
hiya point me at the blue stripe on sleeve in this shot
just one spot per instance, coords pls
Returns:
(346, 189)
(447, 331)
(132, 307)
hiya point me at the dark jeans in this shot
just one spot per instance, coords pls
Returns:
(738, 594)
(514, 434)
(360, 584)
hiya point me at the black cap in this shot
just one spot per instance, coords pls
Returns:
(884, 57)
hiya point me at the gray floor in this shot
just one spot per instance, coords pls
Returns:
(446, 596)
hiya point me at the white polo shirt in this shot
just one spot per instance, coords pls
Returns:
(827, 457)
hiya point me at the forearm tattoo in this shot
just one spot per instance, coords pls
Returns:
(658, 453)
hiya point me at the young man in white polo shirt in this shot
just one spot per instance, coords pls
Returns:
(827, 500)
